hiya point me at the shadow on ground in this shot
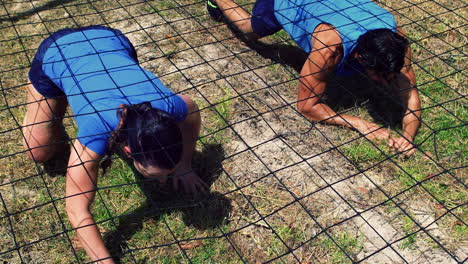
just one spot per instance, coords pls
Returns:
(202, 212)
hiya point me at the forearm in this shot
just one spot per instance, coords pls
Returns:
(188, 149)
(90, 238)
(310, 105)
(412, 118)
(411, 123)
(190, 130)
(80, 190)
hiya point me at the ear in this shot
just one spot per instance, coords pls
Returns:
(127, 151)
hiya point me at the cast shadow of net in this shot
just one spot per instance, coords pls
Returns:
(383, 104)
(204, 211)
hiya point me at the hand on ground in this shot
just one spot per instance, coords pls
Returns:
(403, 145)
(372, 131)
(190, 181)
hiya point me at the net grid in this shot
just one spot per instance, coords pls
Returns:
(253, 125)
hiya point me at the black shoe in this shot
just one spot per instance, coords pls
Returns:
(214, 11)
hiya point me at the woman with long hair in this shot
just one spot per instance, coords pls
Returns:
(117, 106)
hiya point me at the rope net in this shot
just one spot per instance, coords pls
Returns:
(283, 189)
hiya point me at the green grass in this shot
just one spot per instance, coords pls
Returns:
(408, 227)
(281, 36)
(149, 229)
(443, 187)
(290, 236)
(460, 231)
(443, 137)
(217, 117)
(449, 149)
(161, 7)
(349, 243)
(363, 152)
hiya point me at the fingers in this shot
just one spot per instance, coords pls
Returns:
(380, 133)
(384, 133)
(411, 152)
(407, 148)
(191, 183)
(373, 131)
(397, 144)
(402, 145)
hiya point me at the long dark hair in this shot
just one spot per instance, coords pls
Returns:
(151, 134)
(382, 50)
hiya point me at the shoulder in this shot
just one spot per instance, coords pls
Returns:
(326, 42)
(95, 129)
(326, 34)
(191, 105)
(400, 32)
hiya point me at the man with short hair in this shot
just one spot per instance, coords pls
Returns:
(345, 37)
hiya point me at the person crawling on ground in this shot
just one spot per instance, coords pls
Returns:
(118, 107)
(341, 37)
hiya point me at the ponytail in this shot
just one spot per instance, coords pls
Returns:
(152, 135)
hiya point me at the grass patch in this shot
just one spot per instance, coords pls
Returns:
(162, 8)
(217, 117)
(363, 152)
(349, 243)
(408, 227)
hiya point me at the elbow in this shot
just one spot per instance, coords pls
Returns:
(302, 108)
(73, 216)
(308, 110)
(77, 216)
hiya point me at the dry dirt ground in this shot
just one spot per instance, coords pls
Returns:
(295, 194)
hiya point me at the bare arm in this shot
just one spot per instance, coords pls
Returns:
(406, 82)
(80, 190)
(190, 129)
(313, 81)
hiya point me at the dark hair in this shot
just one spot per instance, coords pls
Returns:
(382, 50)
(151, 134)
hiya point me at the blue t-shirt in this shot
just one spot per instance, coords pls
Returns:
(351, 18)
(96, 71)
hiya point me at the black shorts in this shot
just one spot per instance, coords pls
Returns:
(263, 21)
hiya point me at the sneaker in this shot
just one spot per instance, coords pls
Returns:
(214, 11)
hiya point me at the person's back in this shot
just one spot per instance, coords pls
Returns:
(97, 69)
(351, 18)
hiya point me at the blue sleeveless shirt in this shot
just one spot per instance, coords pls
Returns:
(96, 70)
(351, 18)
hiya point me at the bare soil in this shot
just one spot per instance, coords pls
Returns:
(291, 186)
